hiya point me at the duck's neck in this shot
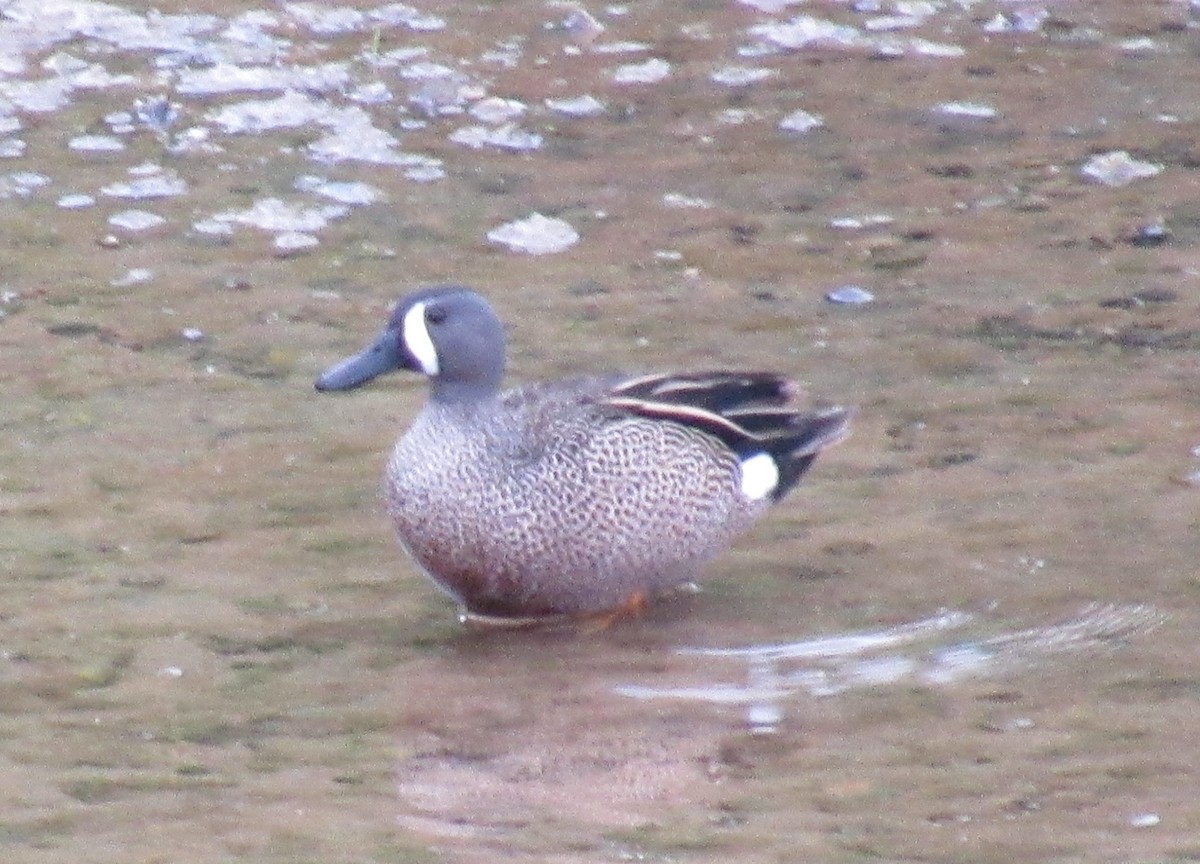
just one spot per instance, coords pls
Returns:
(462, 394)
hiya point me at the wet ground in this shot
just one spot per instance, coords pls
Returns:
(211, 647)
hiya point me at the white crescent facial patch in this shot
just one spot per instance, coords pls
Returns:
(417, 340)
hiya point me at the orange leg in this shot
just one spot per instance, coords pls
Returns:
(598, 622)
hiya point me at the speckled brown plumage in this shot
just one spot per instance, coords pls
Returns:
(571, 497)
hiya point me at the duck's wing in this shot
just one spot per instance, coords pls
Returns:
(717, 390)
(746, 411)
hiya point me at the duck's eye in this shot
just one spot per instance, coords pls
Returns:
(435, 314)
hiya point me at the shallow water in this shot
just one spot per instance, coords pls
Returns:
(212, 649)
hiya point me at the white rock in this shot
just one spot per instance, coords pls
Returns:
(968, 110)
(649, 72)
(293, 243)
(800, 121)
(740, 76)
(535, 235)
(135, 220)
(1117, 168)
(96, 144)
(850, 295)
(577, 106)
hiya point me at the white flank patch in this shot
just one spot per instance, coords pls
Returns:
(760, 476)
(416, 339)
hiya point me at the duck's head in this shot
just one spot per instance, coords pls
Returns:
(448, 333)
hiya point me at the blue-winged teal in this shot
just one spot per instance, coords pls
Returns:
(575, 496)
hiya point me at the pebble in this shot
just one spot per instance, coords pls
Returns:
(576, 106)
(344, 193)
(374, 93)
(1138, 45)
(326, 21)
(75, 201)
(800, 122)
(403, 15)
(927, 48)
(679, 201)
(164, 185)
(535, 235)
(425, 173)
(1117, 168)
(96, 144)
(136, 276)
(508, 137)
(275, 215)
(805, 30)
(850, 295)
(1149, 235)
(20, 184)
(495, 110)
(213, 228)
(135, 220)
(740, 76)
(650, 72)
(885, 23)
(293, 243)
(625, 47)
(853, 223)
(771, 6)
(581, 26)
(967, 110)
(1020, 21)
(1189, 478)
(764, 718)
(256, 116)
(224, 78)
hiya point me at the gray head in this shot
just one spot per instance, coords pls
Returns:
(448, 333)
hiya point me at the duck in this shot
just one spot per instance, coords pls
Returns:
(580, 496)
